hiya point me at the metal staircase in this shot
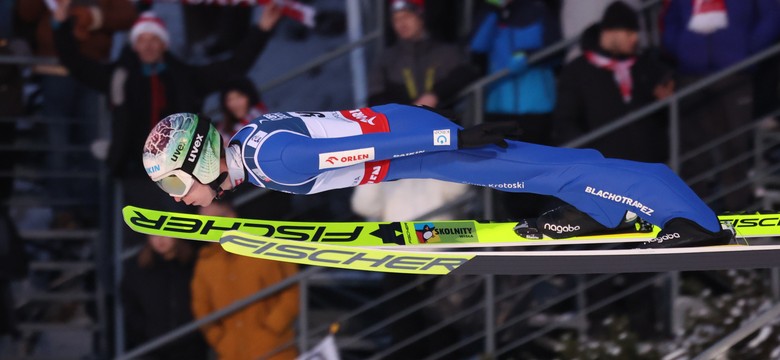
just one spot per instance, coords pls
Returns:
(61, 306)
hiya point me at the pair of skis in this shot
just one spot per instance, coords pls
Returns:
(443, 247)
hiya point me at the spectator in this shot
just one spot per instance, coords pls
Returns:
(11, 97)
(13, 266)
(423, 71)
(146, 83)
(70, 106)
(704, 40)
(156, 296)
(578, 15)
(508, 35)
(264, 329)
(417, 69)
(240, 103)
(609, 80)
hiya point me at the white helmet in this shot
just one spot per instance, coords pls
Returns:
(180, 148)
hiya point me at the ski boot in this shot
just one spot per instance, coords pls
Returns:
(680, 232)
(566, 222)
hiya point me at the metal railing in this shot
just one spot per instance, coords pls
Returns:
(476, 90)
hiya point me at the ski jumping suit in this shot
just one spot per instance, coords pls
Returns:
(310, 152)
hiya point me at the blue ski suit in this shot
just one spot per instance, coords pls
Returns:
(310, 152)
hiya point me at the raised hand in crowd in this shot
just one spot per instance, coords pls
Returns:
(272, 12)
(60, 13)
(664, 89)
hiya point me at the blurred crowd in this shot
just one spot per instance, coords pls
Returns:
(623, 59)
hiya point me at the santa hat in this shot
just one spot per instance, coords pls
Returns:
(148, 22)
(415, 6)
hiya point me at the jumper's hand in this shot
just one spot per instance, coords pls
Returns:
(427, 99)
(60, 13)
(84, 21)
(486, 134)
(270, 16)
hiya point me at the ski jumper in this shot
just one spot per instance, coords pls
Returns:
(311, 152)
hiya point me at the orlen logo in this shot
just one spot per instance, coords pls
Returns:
(359, 116)
(666, 237)
(560, 229)
(346, 158)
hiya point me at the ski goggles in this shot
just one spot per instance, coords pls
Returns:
(176, 183)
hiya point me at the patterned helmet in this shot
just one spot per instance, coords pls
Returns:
(182, 143)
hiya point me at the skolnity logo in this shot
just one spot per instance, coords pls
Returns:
(444, 232)
(339, 159)
(620, 199)
(441, 137)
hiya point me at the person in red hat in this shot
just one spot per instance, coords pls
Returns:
(146, 83)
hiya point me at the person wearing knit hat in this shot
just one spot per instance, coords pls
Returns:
(610, 79)
(620, 29)
(149, 37)
(148, 22)
(146, 82)
(619, 15)
(414, 6)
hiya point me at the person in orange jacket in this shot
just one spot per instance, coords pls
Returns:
(221, 278)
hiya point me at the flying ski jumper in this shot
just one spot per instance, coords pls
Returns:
(311, 152)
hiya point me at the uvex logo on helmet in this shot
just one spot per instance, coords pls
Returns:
(197, 143)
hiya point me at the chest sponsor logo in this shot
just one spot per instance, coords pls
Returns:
(373, 176)
(339, 159)
(441, 137)
(360, 116)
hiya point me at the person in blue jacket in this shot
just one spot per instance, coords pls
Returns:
(311, 152)
(703, 38)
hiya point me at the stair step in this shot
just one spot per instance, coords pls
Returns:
(38, 327)
(61, 265)
(42, 201)
(80, 234)
(31, 173)
(53, 297)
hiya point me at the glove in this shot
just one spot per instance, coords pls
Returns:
(486, 134)
(518, 63)
(83, 21)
